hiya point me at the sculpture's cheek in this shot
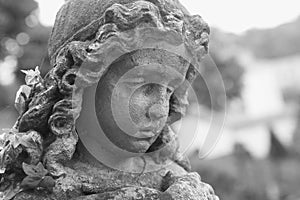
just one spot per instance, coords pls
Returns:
(149, 107)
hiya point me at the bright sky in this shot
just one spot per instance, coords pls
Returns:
(230, 15)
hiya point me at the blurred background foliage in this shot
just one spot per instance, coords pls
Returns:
(22, 36)
(243, 61)
(273, 43)
(240, 174)
(231, 73)
(23, 45)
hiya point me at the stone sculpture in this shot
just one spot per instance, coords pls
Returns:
(124, 66)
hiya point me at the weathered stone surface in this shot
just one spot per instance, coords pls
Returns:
(127, 193)
(79, 20)
(112, 60)
(190, 187)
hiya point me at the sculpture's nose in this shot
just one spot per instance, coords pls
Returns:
(156, 112)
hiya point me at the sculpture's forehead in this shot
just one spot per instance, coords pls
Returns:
(77, 14)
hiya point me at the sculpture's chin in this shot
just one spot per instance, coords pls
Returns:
(132, 145)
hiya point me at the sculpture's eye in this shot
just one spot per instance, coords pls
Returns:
(150, 89)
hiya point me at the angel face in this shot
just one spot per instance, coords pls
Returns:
(138, 107)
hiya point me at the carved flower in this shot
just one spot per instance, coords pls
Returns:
(32, 77)
(36, 177)
(21, 97)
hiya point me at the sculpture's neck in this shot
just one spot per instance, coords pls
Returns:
(137, 164)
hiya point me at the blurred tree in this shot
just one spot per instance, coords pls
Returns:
(15, 11)
(35, 52)
(23, 45)
(21, 34)
(296, 136)
(13, 15)
(277, 149)
(3, 101)
(281, 41)
(223, 57)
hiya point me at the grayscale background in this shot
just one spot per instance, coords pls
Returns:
(255, 45)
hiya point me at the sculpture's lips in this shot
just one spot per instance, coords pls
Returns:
(145, 134)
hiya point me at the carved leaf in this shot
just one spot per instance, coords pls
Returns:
(35, 171)
(27, 141)
(9, 138)
(31, 182)
(48, 182)
(32, 76)
(21, 96)
(10, 192)
(15, 141)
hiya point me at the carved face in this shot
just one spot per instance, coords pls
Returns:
(137, 109)
(132, 103)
